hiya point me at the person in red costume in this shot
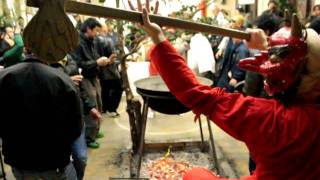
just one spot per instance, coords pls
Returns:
(282, 134)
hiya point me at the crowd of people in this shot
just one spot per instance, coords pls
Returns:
(60, 104)
(93, 69)
(216, 57)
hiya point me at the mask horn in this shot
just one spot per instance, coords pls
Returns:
(296, 30)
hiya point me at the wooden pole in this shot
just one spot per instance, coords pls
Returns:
(107, 12)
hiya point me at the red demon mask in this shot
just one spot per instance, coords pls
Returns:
(279, 65)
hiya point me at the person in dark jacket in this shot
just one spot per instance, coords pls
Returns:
(230, 73)
(46, 119)
(315, 24)
(79, 147)
(273, 8)
(227, 57)
(89, 61)
(315, 14)
(110, 79)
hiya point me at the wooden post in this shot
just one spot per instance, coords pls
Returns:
(133, 104)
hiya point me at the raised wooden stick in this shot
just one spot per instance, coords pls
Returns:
(106, 12)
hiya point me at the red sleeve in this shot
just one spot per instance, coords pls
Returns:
(244, 118)
(152, 69)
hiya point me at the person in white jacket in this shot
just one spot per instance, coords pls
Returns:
(200, 56)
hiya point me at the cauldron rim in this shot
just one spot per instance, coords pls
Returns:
(139, 84)
(163, 100)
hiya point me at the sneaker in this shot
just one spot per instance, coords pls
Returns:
(112, 114)
(93, 145)
(100, 135)
(151, 114)
(115, 114)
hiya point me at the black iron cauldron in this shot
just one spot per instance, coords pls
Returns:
(159, 97)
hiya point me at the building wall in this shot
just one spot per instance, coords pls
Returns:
(20, 8)
(1, 5)
(228, 5)
(301, 4)
(18, 5)
(262, 6)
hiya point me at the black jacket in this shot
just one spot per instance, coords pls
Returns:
(86, 56)
(40, 116)
(105, 47)
(315, 24)
(71, 69)
(254, 85)
(233, 54)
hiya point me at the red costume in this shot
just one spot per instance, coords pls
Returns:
(152, 69)
(283, 141)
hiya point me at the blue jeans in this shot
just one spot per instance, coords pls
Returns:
(79, 154)
(68, 173)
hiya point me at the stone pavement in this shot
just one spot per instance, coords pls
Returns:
(104, 162)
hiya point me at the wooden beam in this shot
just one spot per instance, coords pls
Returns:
(107, 12)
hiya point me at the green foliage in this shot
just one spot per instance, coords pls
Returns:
(134, 33)
(185, 13)
(5, 21)
(284, 4)
(208, 20)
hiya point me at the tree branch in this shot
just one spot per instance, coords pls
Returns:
(136, 47)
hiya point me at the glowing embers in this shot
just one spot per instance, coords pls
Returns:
(167, 168)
